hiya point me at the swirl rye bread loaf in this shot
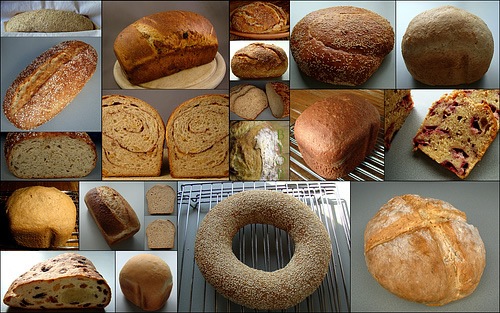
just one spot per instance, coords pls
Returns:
(198, 138)
(67, 281)
(46, 86)
(48, 21)
(165, 43)
(133, 135)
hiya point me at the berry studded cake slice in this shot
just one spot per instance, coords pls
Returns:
(398, 105)
(488, 96)
(457, 131)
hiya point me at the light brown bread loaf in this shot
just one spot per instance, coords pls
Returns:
(247, 101)
(278, 96)
(259, 60)
(161, 199)
(259, 17)
(161, 234)
(48, 21)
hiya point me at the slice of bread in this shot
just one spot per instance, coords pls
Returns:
(160, 234)
(247, 101)
(398, 105)
(161, 199)
(278, 96)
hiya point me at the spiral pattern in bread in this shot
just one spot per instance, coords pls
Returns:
(255, 288)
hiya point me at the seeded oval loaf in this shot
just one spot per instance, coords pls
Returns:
(447, 46)
(165, 43)
(41, 217)
(46, 86)
(50, 154)
(48, 21)
(423, 250)
(341, 45)
(259, 17)
(67, 281)
(259, 60)
(114, 216)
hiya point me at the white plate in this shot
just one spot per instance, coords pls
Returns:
(207, 76)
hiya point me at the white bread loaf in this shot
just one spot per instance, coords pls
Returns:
(67, 281)
(50, 154)
(198, 138)
(146, 281)
(161, 234)
(161, 199)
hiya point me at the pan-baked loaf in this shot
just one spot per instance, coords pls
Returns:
(247, 101)
(161, 199)
(41, 217)
(198, 138)
(114, 216)
(160, 234)
(48, 21)
(398, 104)
(259, 60)
(447, 46)
(341, 45)
(50, 154)
(423, 250)
(46, 86)
(457, 131)
(259, 17)
(165, 43)
(133, 136)
(66, 281)
(278, 97)
(146, 281)
(334, 135)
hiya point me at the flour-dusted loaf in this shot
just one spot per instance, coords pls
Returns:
(48, 21)
(114, 216)
(41, 217)
(334, 135)
(278, 96)
(341, 45)
(165, 43)
(160, 234)
(146, 281)
(66, 281)
(398, 104)
(457, 131)
(161, 199)
(47, 85)
(247, 101)
(423, 250)
(133, 136)
(50, 154)
(447, 46)
(259, 60)
(259, 17)
(198, 138)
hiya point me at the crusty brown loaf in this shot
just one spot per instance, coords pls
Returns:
(334, 135)
(423, 250)
(67, 281)
(447, 46)
(46, 86)
(398, 104)
(341, 45)
(133, 136)
(161, 199)
(48, 21)
(165, 43)
(146, 281)
(247, 101)
(278, 97)
(41, 217)
(259, 17)
(50, 154)
(259, 60)
(160, 234)
(114, 216)
(198, 137)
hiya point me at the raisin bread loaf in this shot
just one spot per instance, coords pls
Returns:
(67, 281)
(397, 105)
(160, 234)
(259, 17)
(456, 132)
(133, 136)
(50, 154)
(161, 199)
(247, 101)
(198, 138)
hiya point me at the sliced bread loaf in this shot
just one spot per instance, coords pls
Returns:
(278, 96)
(161, 199)
(161, 234)
(247, 101)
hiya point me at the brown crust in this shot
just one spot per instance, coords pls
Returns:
(283, 91)
(165, 43)
(259, 60)
(46, 86)
(259, 18)
(341, 45)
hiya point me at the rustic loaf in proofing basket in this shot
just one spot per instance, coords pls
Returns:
(197, 138)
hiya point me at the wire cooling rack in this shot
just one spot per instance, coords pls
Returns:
(371, 169)
(264, 246)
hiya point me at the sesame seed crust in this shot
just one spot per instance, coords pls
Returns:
(255, 288)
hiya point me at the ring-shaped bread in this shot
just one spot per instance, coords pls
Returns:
(255, 288)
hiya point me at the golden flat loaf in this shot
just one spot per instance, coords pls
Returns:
(423, 250)
(165, 43)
